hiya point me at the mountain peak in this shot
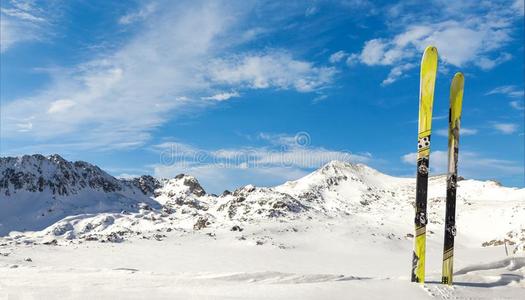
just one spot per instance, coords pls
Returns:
(179, 187)
(56, 158)
(342, 165)
(336, 167)
(337, 164)
(54, 174)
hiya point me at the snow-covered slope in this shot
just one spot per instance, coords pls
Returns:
(340, 187)
(345, 229)
(80, 201)
(36, 191)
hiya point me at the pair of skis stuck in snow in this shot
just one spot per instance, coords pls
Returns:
(429, 64)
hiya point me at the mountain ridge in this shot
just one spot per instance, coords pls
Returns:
(80, 201)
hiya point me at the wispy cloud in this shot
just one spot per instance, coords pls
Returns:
(286, 157)
(222, 96)
(463, 132)
(319, 98)
(22, 21)
(511, 91)
(505, 128)
(312, 10)
(440, 117)
(396, 72)
(60, 106)
(337, 56)
(518, 7)
(516, 104)
(183, 54)
(470, 165)
(139, 15)
(120, 97)
(281, 150)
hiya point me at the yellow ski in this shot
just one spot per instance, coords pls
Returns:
(454, 120)
(426, 98)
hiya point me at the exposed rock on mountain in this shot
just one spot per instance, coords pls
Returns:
(37, 191)
(62, 200)
(54, 174)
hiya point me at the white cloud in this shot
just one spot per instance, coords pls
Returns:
(463, 132)
(121, 96)
(518, 6)
(511, 91)
(373, 52)
(439, 117)
(22, 21)
(465, 35)
(139, 15)
(468, 131)
(285, 158)
(216, 178)
(470, 165)
(275, 69)
(337, 56)
(284, 151)
(352, 59)
(457, 45)
(517, 105)
(14, 31)
(310, 11)
(505, 128)
(222, 96)
(486, 63)
(23, 127)
(182, 54)
(320, 98)
(396, 72)
(22, 15)
(8, 34)
(302, 138)
(60, 106)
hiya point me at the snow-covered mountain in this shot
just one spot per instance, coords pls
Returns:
(37, 191)
(67, 201)
(345, 229)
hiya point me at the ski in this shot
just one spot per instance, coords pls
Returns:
(454, 117)
(426, 99)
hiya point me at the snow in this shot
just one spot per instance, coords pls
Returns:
(37, 191)
(342, 232)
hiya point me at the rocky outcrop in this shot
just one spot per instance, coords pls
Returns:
(37, 173)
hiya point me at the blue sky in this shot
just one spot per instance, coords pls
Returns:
(238, 92)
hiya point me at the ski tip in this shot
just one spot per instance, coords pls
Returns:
(430, 48)
(458, 80)
(430, 58)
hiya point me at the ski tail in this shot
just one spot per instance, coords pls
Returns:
(426, 98)
(456, 100)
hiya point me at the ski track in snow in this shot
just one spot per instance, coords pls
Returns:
(269, 277)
